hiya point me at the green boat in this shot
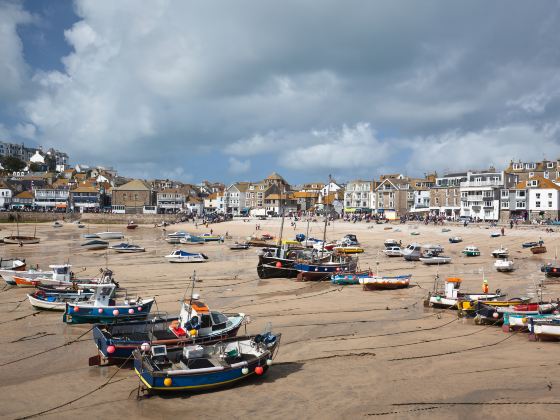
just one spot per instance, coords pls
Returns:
(471, 251)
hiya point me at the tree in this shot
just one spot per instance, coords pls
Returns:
(12, 164)
(50, 161)
(35, 167)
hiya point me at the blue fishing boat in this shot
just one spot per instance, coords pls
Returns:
(346, 279)
(200, 367)
(103, 308)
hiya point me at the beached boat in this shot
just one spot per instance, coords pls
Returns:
(195, 324)
(200, 367)
(239, 247)
(278, 262)
(90, 236)
(531, 244)
(550, 269)
(110, 235)
(412, 252)
(56, 301)
(394, 251)
(445, 230)
(495, 234)
(455, 239)
(449, 296)
(520, 320)
(207, 237)
(544, 327)
(539, 249)
(316, 270)
(180, 256)
(61, 275)
(504, 265)
(471, 251)
(131, 225)
(192, 240)
(501, 252)
(127, 248)
(345, 279)
(95, 245)
(430, 259)
(385, 282)
(348, 249)
(21, 240)
(389, 243)
(103, 308)
(57, 224)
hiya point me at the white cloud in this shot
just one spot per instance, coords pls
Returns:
(237, 166)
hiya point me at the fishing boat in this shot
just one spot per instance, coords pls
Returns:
(550, 269)
(56, 301)
(127, 248)
(504, 265)
(350, 239)
(103, 308)
(61, 275)
(239, 247)
(191, 240)
(449, 296)
(317, 269)
(175, 237)
(394, 251)
(57, 224)
(539, 249)
(385, 282)
(12, 264)
(180, 256)
(471, 251)
(131, 225)
(345, 279)
(455, 239)
(110, 235)
(501, 252)
(489, 311)
(544, 327)
(324, 246)
(200, 367)
(95, 245)
(278, 262)
(520, 320)
(8, 275)
(530, 244)
(412, 252)
(195, 324)
(389, 243)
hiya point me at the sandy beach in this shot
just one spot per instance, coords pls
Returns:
(345, 353)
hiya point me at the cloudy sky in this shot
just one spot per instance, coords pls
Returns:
(227, 90)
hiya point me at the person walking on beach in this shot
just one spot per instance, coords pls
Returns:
(503, 231)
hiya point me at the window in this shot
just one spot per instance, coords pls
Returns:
(530, 165)
(549, 195)
(517, 166)
(505, 204)
(538, 204)
(538, 195)
(505, 193)
(487, 204)
(550, 204)
(550, 165)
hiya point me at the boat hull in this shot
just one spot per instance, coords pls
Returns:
(77, 314)
(24, 240)
(275, 267)
(385, 283)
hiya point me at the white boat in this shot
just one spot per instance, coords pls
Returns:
(90, 236)
(451, 294)
(8, 275)
(504, 265)
(110, 235)
(389, 243)
(60, 275)
(127, 248)
(180, 256)
(412, 252)
(393, 251)
(95, 244)
(57, 301)
(501, 252)
(435, 260)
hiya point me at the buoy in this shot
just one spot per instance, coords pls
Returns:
(524, 320)
(139, 309)
(495, 315)
(269, 362)
(167, 382)
(244, 371)
(259, 370)
(76, 309)
(278, 264)
(100, 310)
(111, 349)
(131, 311)
(193, 332)
(145, 347)
(115, 312)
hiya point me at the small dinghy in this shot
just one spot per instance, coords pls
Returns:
(348, 249)
(200, 367)
(239, 247)
(110, 235)
(495, 234)
(530, 244)
(180, 256)
(52, 301)
(103, 308)
(94, 245)
(131, 225)
(504, 265)
(90, 236)
(346, 279)
(539, 249)
(211, 238)
(385, 282)
(389, 243)
(445, 230)
(57, 224)
(500, 253)
(434, 259)
(455, 239)
(127, 248)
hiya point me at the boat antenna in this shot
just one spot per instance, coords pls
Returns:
(192, 293)
(326, 217)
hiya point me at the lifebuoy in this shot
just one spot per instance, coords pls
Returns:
(40, 294)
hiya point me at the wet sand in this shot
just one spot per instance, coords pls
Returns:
(345, 353)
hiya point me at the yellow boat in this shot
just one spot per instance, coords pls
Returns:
(348, 249)
(290, 242)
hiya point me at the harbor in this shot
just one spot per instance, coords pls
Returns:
(375, 350)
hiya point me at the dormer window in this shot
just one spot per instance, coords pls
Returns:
(530, 165)
(549, 165)
(517, 166)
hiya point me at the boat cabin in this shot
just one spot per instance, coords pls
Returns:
(452, 285)
(103, 295)
(61, 272)
(196, 315)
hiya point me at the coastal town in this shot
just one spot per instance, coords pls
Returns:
(37, 180)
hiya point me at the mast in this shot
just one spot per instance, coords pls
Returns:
(282, 222)
(326, 217)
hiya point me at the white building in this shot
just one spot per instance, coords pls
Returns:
(5, 196)
(171, 200)
(543, 198)
(215, 203)
(480, 195)
(359, 194)
(51, 198)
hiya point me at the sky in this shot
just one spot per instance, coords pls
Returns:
(232, 91)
